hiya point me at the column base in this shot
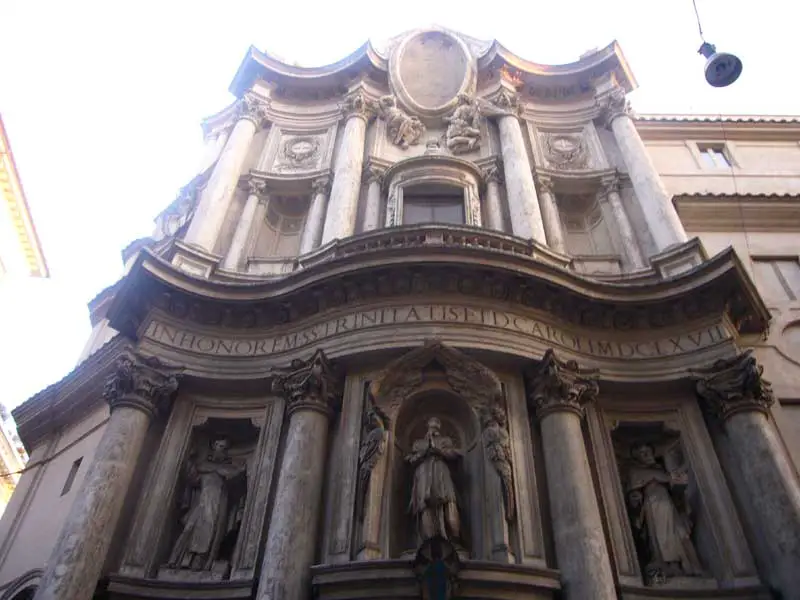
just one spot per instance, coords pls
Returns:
(193, 260)
(679, 258)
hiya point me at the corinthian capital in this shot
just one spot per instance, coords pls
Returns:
(252, 108)
(141, 382)
(732, 385)
(311, 384)
(321, 185)
(613, 105)
(356, 104)
(557, 385)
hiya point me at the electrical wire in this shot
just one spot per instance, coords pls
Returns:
(697, 17)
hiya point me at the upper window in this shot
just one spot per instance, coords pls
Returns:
(73, 471)
(283, 227)
(778, 280)
(433, 204)
(714, 156)
(585, 230)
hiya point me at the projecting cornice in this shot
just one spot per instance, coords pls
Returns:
(721, 127)
(371, 61)
(440, 261)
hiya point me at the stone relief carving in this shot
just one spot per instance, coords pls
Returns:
(212, 506)
(463, 132)
(655, 479)
(373, 446)
(403, 130)
(433, 495)
(299, 153)
(498, 450)
(566, 151)
(143, 382)
(734, 384)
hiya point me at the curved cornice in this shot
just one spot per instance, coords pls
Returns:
(257, 64)
(444, 260)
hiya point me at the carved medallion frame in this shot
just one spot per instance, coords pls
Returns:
(290, 150)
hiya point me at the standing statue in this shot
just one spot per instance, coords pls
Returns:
(403, 129)
(433, 496)
(498, 451)
(211, 510)
(663, 530)
(463, 130)
(373, 445)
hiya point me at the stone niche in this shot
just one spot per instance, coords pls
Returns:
(435, 460)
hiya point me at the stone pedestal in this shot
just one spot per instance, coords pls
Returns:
(523, 205)
(216, 198)
(240, 243)
(736, 392)
(492, 205)
(340, 221)
(138, 389)
(610, 192)
(659, 213)
(315, 220)
(372, 211)
(312, 392)
(557, 391)
(551, 217)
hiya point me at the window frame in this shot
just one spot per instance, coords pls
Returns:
(713, 155)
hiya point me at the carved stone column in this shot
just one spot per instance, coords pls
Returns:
(139, 389)
(315, 221)
(610, 191)
(216, 198)
(736, 392)
(313, 391)
(557, 393)
(340, 221)
(242, 235)
(551, 216)
(523, 205)
(656, 203)
(372, 211)
(493, 176)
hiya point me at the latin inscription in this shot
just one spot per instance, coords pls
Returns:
(434, 314)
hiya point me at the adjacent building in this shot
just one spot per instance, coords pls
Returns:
(435, 321)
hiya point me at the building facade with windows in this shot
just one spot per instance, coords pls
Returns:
(435, 321)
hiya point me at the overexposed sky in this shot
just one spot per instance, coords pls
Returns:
(102, 101)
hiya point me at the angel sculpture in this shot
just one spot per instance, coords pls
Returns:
(463, 131)
(404, 130)
(213, 505)
(498, 451)
(373, 445)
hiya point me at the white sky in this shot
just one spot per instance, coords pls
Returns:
(102, 101)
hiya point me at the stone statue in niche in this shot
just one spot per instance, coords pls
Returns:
(403, 130)
(212, 506)
(433, 494)
(655, 492)
(498, 451)
(463, 127)
(373, 446)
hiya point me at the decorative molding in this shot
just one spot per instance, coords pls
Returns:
(733, 385)
(141, 382)
(255, 186)
(561, 386)
(546, 184)
(312, 384)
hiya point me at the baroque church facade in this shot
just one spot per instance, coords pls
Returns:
(435, 321)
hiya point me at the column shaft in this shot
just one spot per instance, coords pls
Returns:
(523, 205)
(77, 559)
(372, 212)
(494, 206)
(656, 203)
(626, 233)
(315, 221)
(243, 233)
(340, 221)
(551, 218)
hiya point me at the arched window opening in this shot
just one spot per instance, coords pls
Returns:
(433, 203)
(585, 230)
(282, 228)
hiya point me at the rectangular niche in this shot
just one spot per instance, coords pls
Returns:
(291, 151)
(671, 519)
(575, 148)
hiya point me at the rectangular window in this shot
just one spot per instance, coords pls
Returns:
(418, 209)
(73, 471)
(778, 280)
(714, 156)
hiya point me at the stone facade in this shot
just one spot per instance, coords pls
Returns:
(437, 322)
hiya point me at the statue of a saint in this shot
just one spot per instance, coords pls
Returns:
(463, 130)
(498, 450)
(433, 495)
(663, 530)
(212, 510)
(403, 130)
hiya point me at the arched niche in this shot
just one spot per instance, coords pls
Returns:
(432, 381)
